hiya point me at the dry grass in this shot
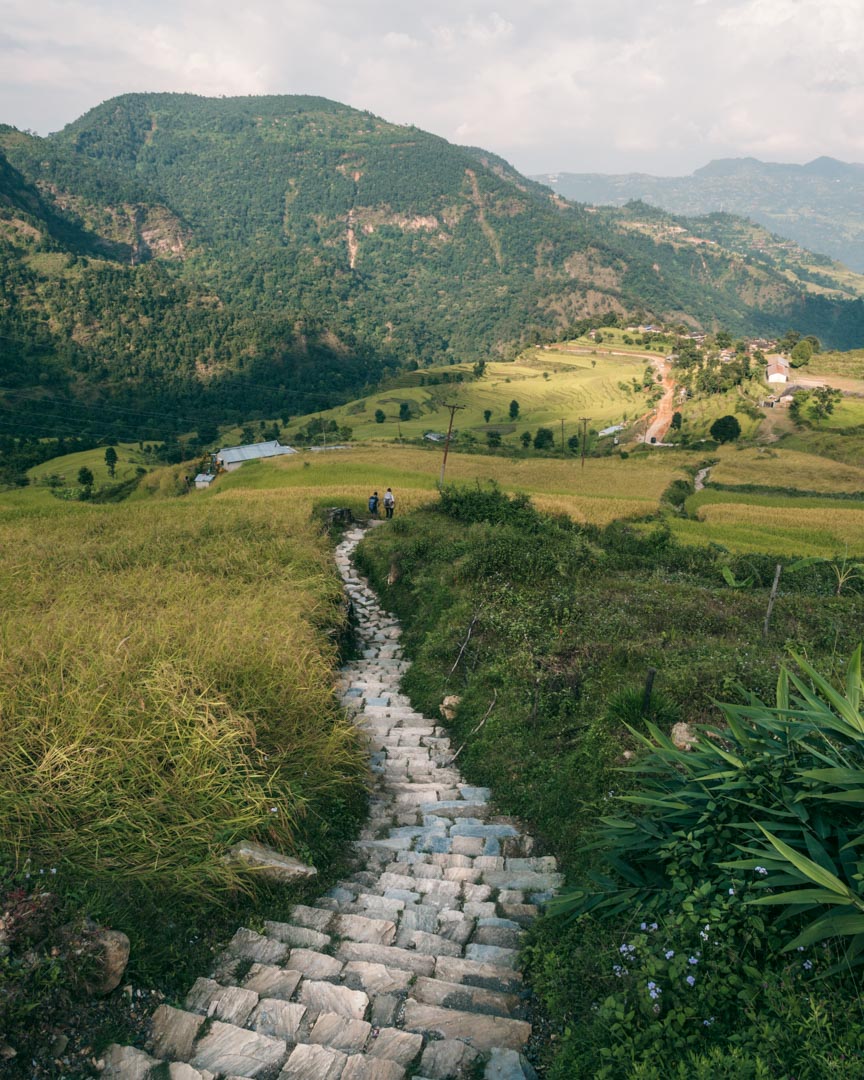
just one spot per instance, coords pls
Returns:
(786, 469)
(165, 688)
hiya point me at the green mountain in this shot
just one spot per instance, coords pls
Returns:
(172, 260)
(820, 205)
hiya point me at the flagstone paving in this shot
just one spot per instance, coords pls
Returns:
(408, 966)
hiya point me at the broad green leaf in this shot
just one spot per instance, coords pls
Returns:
(812, 870)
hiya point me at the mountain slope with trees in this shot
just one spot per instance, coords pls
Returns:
(817, 204)
(174, 260)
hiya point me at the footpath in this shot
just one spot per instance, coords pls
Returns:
(408, 966)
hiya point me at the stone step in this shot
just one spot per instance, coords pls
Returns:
(478, 973)
(339, 1033)
(482, 1031)
(391, 957)
(465, 997)
(326, 997)
(228, 1050)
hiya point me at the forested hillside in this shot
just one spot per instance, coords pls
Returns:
(817, 204)
(170, 260)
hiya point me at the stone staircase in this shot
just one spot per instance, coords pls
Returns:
(407, 967)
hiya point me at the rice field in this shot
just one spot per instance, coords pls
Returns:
(781, 530)
(781, 468)
(166, 690)
(607, 488)
(550, 384)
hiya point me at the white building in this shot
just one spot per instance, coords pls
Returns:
(777, 370)
(232, 457)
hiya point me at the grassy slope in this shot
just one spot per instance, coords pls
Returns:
(166, 690)
(552, 644)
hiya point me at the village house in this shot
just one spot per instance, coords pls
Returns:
(777, 369)
(203, 481)
(232, 457)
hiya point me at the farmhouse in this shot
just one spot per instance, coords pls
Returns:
(232, 457)
(203, 481)
(777, 370)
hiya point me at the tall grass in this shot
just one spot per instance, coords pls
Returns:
(165, 690)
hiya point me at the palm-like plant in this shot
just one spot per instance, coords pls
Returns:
(779, 789)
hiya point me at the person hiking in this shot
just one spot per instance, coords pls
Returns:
(373, 504)
(389, 503)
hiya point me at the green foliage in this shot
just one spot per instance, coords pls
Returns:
(725, 429)
(544, 439)
(380, 416)
(514, 409)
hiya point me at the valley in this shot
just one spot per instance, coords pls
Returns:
(611, 649)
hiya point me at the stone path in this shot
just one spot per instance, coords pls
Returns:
(407, 967)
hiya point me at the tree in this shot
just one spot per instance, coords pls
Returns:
(404, 411)
(479, 369)
(801, 354)
(487, 415)
(514, 409)
(723, 339)
(544, 439)
(824, 400)
(493, 438)
(573, 443)
(111, 460)
(380, 416)
(725, 429)
(525, 439)
(85, 479)
(676, 421)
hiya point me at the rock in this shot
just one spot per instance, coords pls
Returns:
(508, 1065)
(449, 705)
(112, 949)
(268, 863)
(126, 1063)
(683, 736)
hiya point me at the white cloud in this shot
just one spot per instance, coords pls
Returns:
(622, 85)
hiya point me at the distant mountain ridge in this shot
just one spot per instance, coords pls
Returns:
(170, 259)
(820, 205)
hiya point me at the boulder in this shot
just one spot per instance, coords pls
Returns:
(683, 736)
(268, 863)
(449, 705)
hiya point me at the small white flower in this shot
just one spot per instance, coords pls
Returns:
(669, 954)
(761, 870)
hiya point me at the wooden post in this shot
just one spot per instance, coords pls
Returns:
(649, 686)
(771, 600)
(452, 409)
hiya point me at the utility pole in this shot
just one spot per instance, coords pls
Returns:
(584, 420)
(452, 409)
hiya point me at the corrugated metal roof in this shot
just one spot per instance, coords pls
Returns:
(231, 454)
(204, 478)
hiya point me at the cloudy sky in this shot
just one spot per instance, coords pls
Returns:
(657, 86)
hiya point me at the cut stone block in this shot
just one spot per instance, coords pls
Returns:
(272, 982)
(429, 944)
(492, 954)
(375, 978)
(508, 1065)
(256, 947)
(358, 928)
(278, 1018)
(314, 965)
(464, 996)
(127, 1063)
(312, 918)
(325, 997)
(311, 1062)
(179, 1070)
(385, 1008)
(298, 937)
(361, 1067)
(236, 1051)
(481, 1031)
(396, 1045)
(339, 1033)
(388, 955)
(447, 1058)
(477, 973)
(231, 1004)
(173, 1032)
